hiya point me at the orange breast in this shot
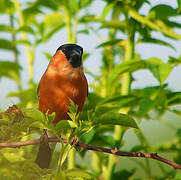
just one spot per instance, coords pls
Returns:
(59, 83)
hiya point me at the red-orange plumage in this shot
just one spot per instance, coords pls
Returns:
(60, 82)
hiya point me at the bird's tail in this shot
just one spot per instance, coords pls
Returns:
(45, 152)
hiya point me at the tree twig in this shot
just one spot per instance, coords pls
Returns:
(94, 148)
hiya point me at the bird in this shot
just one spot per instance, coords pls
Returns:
(64, 79)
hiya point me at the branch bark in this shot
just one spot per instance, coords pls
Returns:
(94, 148)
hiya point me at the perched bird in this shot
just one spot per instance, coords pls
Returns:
(63, 80)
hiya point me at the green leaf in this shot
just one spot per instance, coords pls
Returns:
(50, 32)
(137, 148)
(49, 120)
(48, 55)
(174, 61)
(53, 19)
(86, 138)
(6, 28)
(10, 70)
(121, 100)
(31, 11)
(107, 9)
(173, 98)
(162, 11)
(34, 114)
(26, 29)
(115, 119)
(145, 106)
(109, 43)
(84, 3)
(6, 44)
(164, 70)
(72, 6)
(129, 66)
(179, 6)
(65, 125)
(172, 24)
(178, 133)
(178, 177)
(160, 70)
(123, 174)
(21, 41)
(84, 31)
(157, 41)
(6, 6)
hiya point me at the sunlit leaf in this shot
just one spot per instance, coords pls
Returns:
(49, 33)
(34, 114)
(52, 19)
(107, 9)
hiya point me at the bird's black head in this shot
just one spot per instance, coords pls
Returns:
(73, 53)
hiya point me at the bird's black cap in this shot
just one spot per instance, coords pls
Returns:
(73, 53)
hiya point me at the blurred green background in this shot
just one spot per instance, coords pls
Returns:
(132, 63)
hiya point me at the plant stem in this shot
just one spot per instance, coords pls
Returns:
(29, 52)
(71, 38)
(15, 52)
(71, 159)
(68, 25)
(119, 131)
(11, 18)
(95, 162)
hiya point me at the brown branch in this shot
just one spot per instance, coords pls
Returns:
(95, 148)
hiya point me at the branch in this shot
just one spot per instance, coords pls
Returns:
(94, 148)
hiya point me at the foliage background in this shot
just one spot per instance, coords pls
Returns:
(29, 32)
